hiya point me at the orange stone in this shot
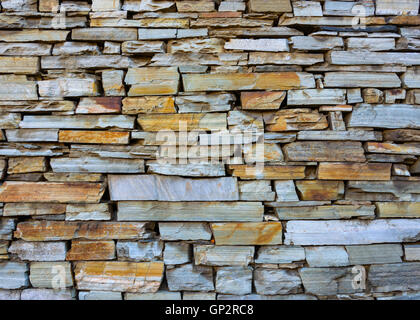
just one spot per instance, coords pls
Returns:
(97, 137)
(99, 105)
(250, 233)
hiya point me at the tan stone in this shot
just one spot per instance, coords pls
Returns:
(249, 172)
(247, 81)
(262, 100)
(296, 119)
(33, 209)
(398, 209)
(195, 6)
(152, 81)
(270, 6)
(26, 165)
(354, 171)
(101, 137)
(252, 233)
(148, 104)
(16, 191)
(18, 65)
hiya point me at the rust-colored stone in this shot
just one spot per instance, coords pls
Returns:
(354, 171)
(91, 250)
(268, 172)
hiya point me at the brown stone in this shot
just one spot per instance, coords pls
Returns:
(16, 191)
(91, 250)
(354, 171)
(401, 135)
(99, 137)
(61, 230)
(316, 190)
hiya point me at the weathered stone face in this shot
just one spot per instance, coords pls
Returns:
(209, 150)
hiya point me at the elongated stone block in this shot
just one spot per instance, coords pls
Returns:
(275, 45)
(270, 6)
(316, 96)
(351, 232)
(78, 122)
(101, 137)
(295, 120)
(182, 122)
(374, 254)
(148, 104)
(107, 34)
(184, 231)
(152, 81)
(283, 58)
(32, 209)
(363, 57)
(280, 254)
(249, 172)
(354, 171)
(91, 250)
(47, 294)
(394, 277)
(394, 116)
(91, 164)
(325, 151)
(39, 251)
(329, 256)
(190, 211)
(99, 105)
(119, 276)
(163, 188)
(260, 233)
(361, 79)
(247, 81)
(210, 255)
(63, 230)
(15, 191)
(325, 212)
(398, 209)
(33, 35)
(354, 135)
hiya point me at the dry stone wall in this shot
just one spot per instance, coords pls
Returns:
(200, 149)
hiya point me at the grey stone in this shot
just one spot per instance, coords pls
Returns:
(100, 295)
(211, 255)
(331, 256)
(276, 281)
(190, 278)
(140, 250)
(47, 294)
(13, 275)
(177, 253)
(352, 232)
(234, 280)
(395, 277)
(375, 254)
(39, 251)
(164, 188)
(280, 254)
(328, 281)
(184, 231)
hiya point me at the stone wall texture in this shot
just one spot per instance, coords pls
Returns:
(109, 110)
